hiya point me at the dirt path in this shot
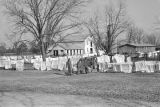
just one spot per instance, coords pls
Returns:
(49, 100)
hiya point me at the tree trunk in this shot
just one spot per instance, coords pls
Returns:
(43, 52)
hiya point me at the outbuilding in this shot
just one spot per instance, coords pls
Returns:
(130, 48)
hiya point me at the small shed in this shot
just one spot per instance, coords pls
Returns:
(134, 48)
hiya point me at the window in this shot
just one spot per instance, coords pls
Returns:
(74, 52)
(91, 44)
(55, 53)
(77, 52)
(91, 50)
(81, 52)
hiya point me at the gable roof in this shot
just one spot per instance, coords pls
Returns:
(68, 46)
(75, 45)
(141, 45)
(74, 38)
(138, 45)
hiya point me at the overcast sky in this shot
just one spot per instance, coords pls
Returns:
(144, 13)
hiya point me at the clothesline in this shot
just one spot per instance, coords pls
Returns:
(118, 65)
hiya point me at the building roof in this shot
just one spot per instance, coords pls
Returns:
(149, 45)
(71, 42)
(75, 45)
(69, 46)
(158, 46)
(138, 45)
(74, 38)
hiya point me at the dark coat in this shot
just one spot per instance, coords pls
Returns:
(69, 66)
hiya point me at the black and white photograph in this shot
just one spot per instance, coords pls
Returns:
(79, 53)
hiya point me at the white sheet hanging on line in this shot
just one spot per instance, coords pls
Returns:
(37, 64)
(61, 61)
(157, 66)
(48, 64)
(1, 63)
(20, 65)
(126, 68)
(43, 66)
(106, 58)
(118, 58)
(7, 64)
(55, 63)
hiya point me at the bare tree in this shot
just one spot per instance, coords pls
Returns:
(105, 34)
(13, 38)
(135, 35)
(153, 39)
(93, 28)
(46, 20)
(2, 48)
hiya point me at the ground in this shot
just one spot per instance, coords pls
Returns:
(54, 89)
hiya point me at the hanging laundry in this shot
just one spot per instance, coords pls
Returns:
(37, 64)
(48, 64)
(7, 64)
(20, 65)
(55, 63)
(43, 66)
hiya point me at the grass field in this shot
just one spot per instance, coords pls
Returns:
(138, 86)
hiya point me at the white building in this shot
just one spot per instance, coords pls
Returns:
(76, 45)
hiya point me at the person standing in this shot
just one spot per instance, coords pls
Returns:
(69, 67)
(86, 65)
(79, 67)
